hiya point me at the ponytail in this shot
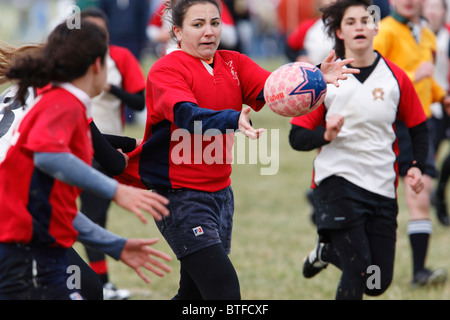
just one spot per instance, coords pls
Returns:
(9, 54)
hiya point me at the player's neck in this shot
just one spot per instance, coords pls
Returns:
(362, 58)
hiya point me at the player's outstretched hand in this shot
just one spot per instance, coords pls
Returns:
(137, 254)
(245, 126)
(135, 199)
(333, 70)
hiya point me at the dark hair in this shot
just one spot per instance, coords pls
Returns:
(67, 56)
(94, 12)
(332, 18)
(9, 54)
(178, 9)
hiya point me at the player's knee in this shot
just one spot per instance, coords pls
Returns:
(377, 284)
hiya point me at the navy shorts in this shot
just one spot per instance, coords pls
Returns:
(406, 156)
(339, 204)
(197, 220)
(35, 273)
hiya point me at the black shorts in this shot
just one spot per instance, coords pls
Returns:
(197, 220)
(339, 204)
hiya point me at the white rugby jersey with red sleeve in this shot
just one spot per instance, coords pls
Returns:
(36, 208)
(310, 39)
(178, 77)
(365, 151)
(124, 71)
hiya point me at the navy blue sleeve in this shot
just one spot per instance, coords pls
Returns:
(189, 116)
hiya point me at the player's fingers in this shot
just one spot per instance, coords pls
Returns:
(330, 57)
(139, 214)
(250, 133)
(156, 208)
(153, 203)
(148, 242)
(142, 275)
(157, 253)
(151, 210)
(246, 110)
(156, 267)
(160, 198)
(259, 132)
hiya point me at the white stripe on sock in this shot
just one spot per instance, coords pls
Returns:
(420, 226)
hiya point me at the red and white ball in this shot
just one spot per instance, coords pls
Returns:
(295, 89)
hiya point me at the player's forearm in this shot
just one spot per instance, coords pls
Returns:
(303, 139)
(191, 117)
(96, 237)
(67, 168)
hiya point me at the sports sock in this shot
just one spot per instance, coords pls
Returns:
(419, 232)
(101, 268)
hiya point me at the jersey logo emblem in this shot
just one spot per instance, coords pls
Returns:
(233, 72)
(378, 93)
(198, 231)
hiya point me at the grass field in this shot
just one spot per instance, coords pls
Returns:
(273, 233)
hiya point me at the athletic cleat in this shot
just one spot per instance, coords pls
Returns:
(313, 263)
(429, 277)
(111, 293)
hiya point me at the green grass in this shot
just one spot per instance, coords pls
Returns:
(273, 232)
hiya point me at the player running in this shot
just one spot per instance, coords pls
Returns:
(47, 164)
(356, 172)
(198, 91)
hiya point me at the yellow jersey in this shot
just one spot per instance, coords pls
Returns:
(396, 42)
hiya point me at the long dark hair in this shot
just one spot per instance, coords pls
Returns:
(332, 18)
(178, 9)
(67, 56)
(9, 54)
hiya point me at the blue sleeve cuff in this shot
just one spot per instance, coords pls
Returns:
(198, 120)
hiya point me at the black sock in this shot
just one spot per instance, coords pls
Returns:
(419, 235)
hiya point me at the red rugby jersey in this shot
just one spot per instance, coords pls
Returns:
(179, 77)
(34, 207)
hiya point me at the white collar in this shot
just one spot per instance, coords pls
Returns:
(79, 94)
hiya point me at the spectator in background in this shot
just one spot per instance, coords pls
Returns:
(385, 8)
(406, 41)
(241, 16)
(128, 22)
(435, 12)
(293, 12)
(127, 25)
(84, 4)
(309, 42)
